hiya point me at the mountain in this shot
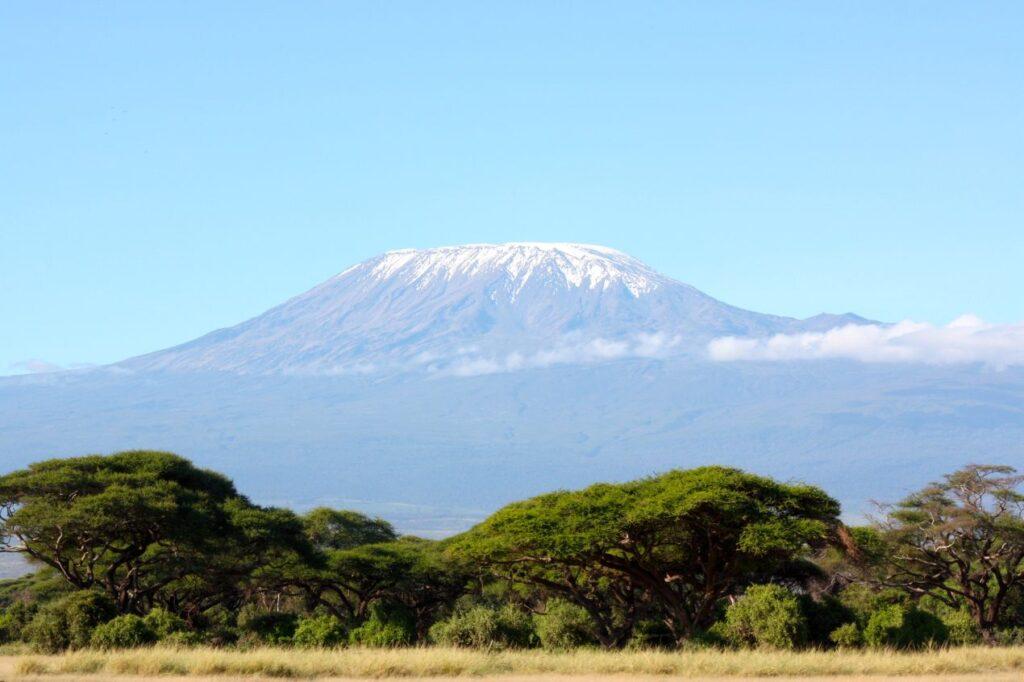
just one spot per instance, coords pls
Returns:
(433, 386)
(475, 308)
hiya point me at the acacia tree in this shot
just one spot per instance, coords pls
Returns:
(146, 527)
(960, 540)
(363, 561)
(682, 541)
(330, 529)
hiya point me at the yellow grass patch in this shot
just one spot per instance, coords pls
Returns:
(442, 662)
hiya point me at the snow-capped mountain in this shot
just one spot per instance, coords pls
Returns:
(476, 309)
(386, 389)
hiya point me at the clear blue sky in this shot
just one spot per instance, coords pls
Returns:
(170, 168)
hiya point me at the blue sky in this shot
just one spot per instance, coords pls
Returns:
(170, 168)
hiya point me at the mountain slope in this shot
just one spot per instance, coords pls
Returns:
(476, 308)
(384, 389)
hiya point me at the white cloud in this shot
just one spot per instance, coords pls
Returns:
(34, 366)
(967, 339)
(595, 350)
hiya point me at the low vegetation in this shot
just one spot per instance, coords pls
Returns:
(705, 571)
(357, 662)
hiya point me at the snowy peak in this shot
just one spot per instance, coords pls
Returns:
(474, 309)
(579, 266)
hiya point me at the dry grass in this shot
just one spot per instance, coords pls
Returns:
(440, 663)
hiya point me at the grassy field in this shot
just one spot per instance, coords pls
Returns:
(433, 663)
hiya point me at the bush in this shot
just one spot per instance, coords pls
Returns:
(266, 627)
(961, 628)
(1010, 636)
(377, 634)
(47, 632)
(163, 623)
(903, 627)
(389, 625)
(651, 634)
(124, 632)
(13, 621)
(185, 638)
(824, 616)
(767, 616)
(485, 627)
(69, 622)
(846, 636)
(217, 627)
(564, 626)
(319, 631)
(863, 600)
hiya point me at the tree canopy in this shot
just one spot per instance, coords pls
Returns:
(683, 540)
(146, 527)
(960, 541)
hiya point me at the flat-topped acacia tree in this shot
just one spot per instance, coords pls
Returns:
(684, 540)
(148, 528)
(960, 541)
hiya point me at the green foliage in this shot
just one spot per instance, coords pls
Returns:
(961, 628)
(83, 612)
(823, 616)
(142, 524)
(185, 639)
(564, 625)
(47, 632)
(163, 623)
(863, 600)
(846, 636)
(344, 529)
(653, 634)
(266, 627)
(565, 539)
(486, 627)
(960, 541)
(320, 631)
(68, 622)
(767, 616)
(377, 634)
(14, 619)
(1013, 636)
(124, 632)
(904, 627)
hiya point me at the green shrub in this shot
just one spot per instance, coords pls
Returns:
(389, 625)
(84, 611)
(767, 616)
(846, 636)
(124, 632)
(564, 625)
(218, 626)
(823, 615)
(903, 627)
(185, 639)
(651, 634)
(1013, 636)
(377, 634)
(13, 621)
(266, 627)
(863, 600)
(320, 631)
(485, 627)
(961, 628)
(163, 623)
(47, 632)
(69, 622)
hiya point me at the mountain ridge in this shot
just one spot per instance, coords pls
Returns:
(482, 305)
